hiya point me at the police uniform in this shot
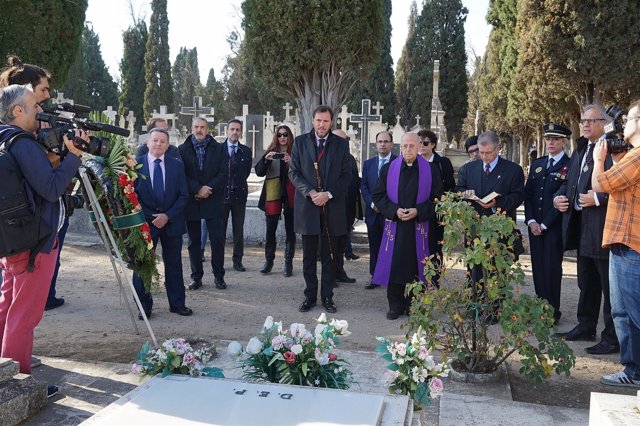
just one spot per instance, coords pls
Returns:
(546, 175)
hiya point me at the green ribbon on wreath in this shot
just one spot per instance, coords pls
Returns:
(127, 221)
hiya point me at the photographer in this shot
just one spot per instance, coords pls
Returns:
(622, 237)
(27, 275)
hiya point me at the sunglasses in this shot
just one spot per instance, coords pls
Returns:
(283, 135)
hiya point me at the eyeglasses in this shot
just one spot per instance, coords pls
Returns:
(591, 121)
(426, 142)
(384, 141)
(283, 135)
(481, 153)
(473, 151)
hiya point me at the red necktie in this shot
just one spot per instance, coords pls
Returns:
(487, 169)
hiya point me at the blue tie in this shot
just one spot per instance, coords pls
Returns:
(382, 162)
(158, 182)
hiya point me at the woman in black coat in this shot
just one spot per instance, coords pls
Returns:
(277, 197)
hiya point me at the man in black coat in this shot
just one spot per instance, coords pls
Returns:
(491, 174)
(546, 175)
(428, 143)
(584, 213)
(236, 190)
(320, 169)
(206, 168)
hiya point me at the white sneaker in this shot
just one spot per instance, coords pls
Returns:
(620, 379)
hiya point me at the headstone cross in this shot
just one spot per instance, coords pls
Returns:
(111, 114)
(287, 112)
(60, 99)
(364, 119)
(197, 110)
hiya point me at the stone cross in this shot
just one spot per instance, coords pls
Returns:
(287, 112)
(418, 120)
(377, 107)
(111, 114)
(197, 110)
(268, 121)
(344, 116)
(131, 119)
(365, 118)
(253, 132)
(60, 99)
(171, 118)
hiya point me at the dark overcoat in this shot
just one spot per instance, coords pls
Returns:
(214, 175)
(334, 171)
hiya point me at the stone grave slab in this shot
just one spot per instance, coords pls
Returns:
(198, 401)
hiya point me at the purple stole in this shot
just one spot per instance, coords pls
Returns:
(385, 255)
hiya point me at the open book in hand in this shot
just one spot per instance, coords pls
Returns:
(484, 200)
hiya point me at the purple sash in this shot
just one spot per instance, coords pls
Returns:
(385, 255)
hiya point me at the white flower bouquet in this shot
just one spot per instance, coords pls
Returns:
(175, 356)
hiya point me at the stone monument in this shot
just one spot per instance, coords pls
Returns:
(437, 112)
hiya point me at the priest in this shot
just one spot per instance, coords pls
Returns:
(405, 195)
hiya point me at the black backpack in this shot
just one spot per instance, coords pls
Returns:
(20, 225)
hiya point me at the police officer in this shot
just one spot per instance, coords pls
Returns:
(546, 174)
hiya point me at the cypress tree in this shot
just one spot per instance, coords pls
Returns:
(439, 36)
(46, 34)
(403, 70)
(379, 84)
(89, 81)
(157, 67)
(131, 96)
(186, 80)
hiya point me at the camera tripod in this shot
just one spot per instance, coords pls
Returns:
(122, 273)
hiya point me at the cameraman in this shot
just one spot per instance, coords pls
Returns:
(622, 236)
(26, 284)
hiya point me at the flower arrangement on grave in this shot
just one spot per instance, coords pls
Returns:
(175, 356)
(412, 370)
(456, 317)
(113, 180)
(296, 355)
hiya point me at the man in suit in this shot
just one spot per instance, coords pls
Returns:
(372, 216)
(238, 158)
(163, 196)
(546, 175)
(583, 219)
(320, 169)
(206, 168)
(491, 174)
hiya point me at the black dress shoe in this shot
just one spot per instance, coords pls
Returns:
(54, 302)
(345, 279)
(351, 256)
(268, 266)
(370, 286)
(147, 313)
(288, 268)
(329, 306)
(603, 348)
(306, 305)
(392, 315)
(52, 390)
(238, 266)
(220, 284)
(195, 284)
(184, 311)
(577, 334)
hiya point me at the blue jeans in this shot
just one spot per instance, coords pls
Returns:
(624, 279)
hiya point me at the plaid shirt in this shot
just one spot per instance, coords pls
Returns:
(622, 182)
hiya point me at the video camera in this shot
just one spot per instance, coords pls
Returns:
(63, 121)
(614, 131)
